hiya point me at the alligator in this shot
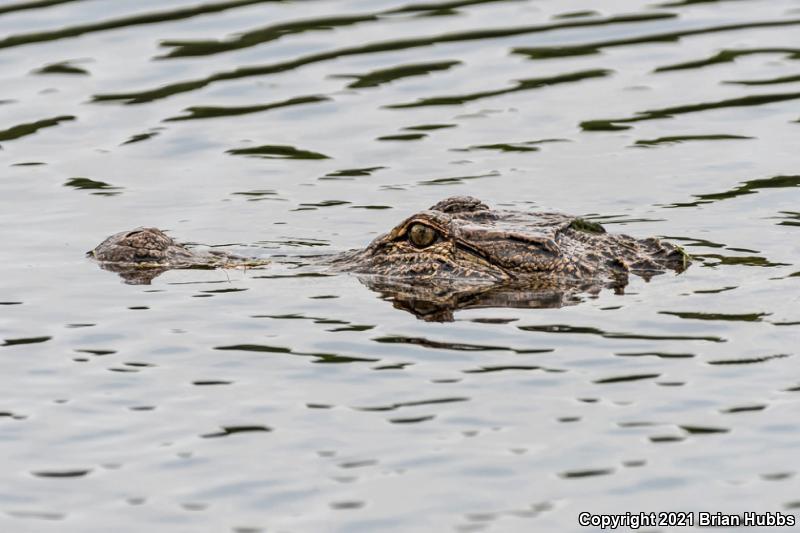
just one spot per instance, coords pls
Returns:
(459, 253)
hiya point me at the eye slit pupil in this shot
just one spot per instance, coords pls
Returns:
(421, 235)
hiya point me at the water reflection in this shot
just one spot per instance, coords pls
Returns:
(439, 302)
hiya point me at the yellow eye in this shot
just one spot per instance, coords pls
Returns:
(421, 235)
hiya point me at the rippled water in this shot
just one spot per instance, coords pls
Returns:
(266, 401)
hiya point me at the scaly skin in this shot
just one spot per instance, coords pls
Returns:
(144, 246)
(141, 254)
(473, 242)
(457, 254)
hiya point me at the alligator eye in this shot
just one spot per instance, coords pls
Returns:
(421, 235)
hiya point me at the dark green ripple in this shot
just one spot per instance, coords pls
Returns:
(669, 112)
(165, 91)
(135, 20)
(521, 85)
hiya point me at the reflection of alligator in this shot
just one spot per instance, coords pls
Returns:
(459, 253)
(437, 302)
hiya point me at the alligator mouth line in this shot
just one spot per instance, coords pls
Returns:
(483, 258)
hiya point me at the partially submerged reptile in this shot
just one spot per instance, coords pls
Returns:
(458, 253)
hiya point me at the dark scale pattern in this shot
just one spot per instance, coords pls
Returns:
(475, 242)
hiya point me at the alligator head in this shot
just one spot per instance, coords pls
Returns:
(458, 253)
(460, 238)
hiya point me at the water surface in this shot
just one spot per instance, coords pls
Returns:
(260, 400)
